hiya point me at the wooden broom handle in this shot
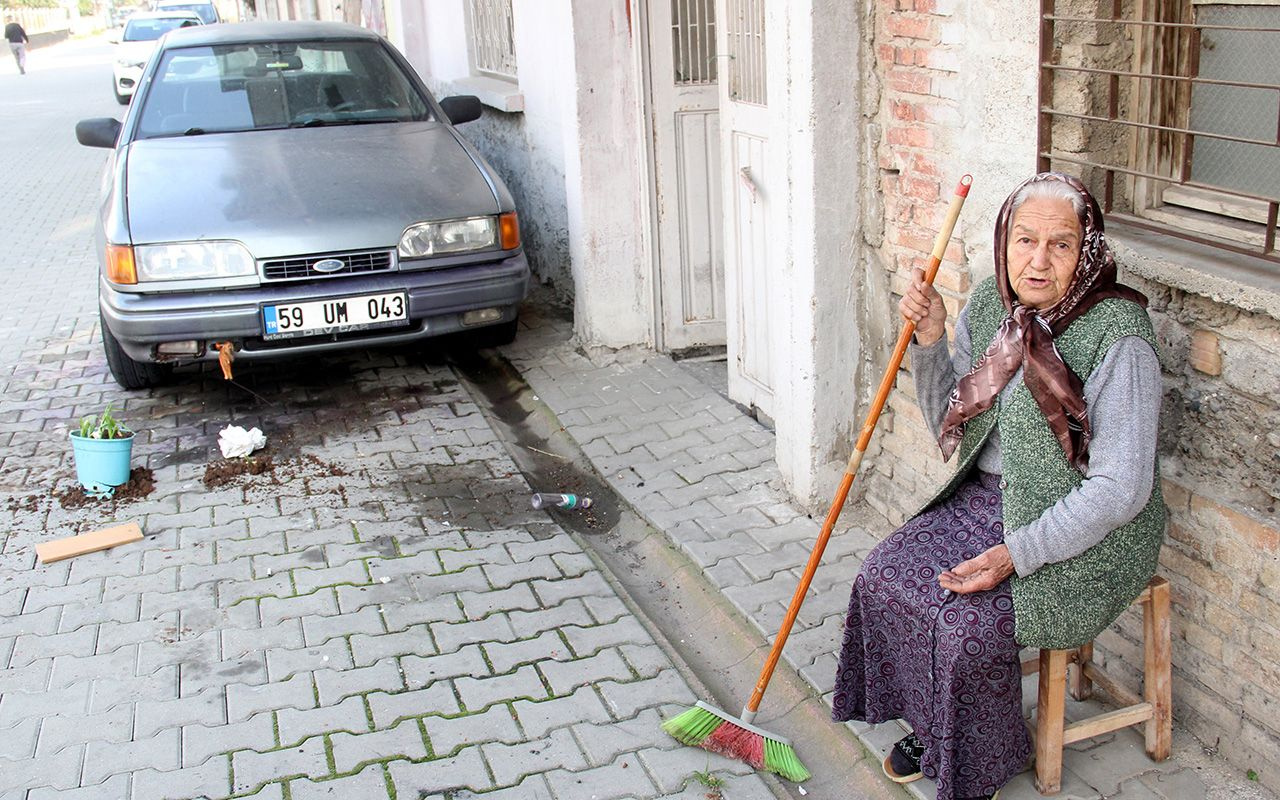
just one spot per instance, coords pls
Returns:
(859, 449)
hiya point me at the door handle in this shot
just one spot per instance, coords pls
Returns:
(748, 181)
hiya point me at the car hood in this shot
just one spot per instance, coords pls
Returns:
(302, 190)
(135, 52)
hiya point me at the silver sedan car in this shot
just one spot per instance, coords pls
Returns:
(287, 188)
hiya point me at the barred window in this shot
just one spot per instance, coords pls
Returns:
(1170, 112)
(748, 75)
(493, 49)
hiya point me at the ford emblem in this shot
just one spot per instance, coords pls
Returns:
(328, 265)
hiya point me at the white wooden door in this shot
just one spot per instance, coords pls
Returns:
(686, 130)
(749, 213)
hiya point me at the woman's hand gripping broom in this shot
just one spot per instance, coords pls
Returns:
(712, 729)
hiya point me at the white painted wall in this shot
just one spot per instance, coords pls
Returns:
(814, 91)
(607, 181)
(572, 158)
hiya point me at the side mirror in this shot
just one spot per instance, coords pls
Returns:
(461, 108)
(98, 132)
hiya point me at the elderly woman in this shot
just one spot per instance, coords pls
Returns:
(1053, 521)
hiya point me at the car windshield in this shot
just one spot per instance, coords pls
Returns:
(148, 30)
(204, 11)
(264, 86)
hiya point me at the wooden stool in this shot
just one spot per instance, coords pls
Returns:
(1154, 708)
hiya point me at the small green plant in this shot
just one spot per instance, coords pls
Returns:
(712, 782)
(1252, 775)
(105, 426)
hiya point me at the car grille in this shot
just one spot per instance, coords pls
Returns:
(281, 269)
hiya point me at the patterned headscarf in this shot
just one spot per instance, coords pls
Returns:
(1025, 337)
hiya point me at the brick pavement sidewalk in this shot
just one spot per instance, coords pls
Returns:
(698, 468)
(381, 614)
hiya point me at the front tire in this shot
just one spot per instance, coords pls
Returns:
(129, 373)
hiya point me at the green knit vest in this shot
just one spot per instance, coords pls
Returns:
(1066, 604)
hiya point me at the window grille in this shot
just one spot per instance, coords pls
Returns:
(1170, 112)
(693, 41)
(492, 43)
(745, 36)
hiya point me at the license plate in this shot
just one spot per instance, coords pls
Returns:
(335, 315)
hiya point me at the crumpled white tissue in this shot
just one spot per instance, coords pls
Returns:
(236, 441)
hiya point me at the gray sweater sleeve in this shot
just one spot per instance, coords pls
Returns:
(1123, 396)
(936, 371)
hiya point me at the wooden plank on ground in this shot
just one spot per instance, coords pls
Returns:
(104, 539)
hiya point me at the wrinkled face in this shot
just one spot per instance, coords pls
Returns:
(1043, 250)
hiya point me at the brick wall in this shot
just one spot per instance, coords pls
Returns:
(919, 85)
(1220, 445)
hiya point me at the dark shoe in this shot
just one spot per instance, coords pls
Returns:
(902, 765)
(983, 797)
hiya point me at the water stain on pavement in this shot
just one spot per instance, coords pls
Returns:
(548, 457)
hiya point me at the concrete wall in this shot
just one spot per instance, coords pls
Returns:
(526, 148)
(959, 95)
(573, 157)
(815, 97)
(606, 178)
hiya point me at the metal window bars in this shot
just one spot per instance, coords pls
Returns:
(693, 41)
(492, 42)
(747, 66)
(1185, 145)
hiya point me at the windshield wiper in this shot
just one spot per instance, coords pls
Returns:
(193, 131)
(318, 122)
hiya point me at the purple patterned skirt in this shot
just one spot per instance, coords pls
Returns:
(946, 663)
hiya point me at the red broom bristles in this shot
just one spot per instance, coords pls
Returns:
(730, 740)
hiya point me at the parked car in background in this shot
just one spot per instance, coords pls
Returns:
(207, 11)
(119, 15)
(291, 188)
(138, 41)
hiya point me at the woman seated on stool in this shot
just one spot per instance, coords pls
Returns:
(1053, 521)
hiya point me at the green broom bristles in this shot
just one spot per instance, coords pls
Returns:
(781, 759)
(701, 726)
(692, 726)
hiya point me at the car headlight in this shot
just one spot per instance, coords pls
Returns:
(449, 236)
(130, 62)
(184, 261)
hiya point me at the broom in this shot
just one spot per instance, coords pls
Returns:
(710, 728)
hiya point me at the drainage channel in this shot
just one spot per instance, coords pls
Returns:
(716, 650)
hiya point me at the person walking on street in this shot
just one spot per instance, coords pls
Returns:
(18, 40)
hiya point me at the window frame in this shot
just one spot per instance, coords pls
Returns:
(480, 21)
(1155, 124)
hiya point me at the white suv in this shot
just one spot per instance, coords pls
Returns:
(138, 42)
(204, 9)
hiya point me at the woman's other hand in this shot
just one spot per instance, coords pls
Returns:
(923, 305)
(979, 574)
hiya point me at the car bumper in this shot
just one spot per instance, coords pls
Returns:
(438, 299)
(126, 79)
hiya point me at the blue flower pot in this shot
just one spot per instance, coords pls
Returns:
(101, 464)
